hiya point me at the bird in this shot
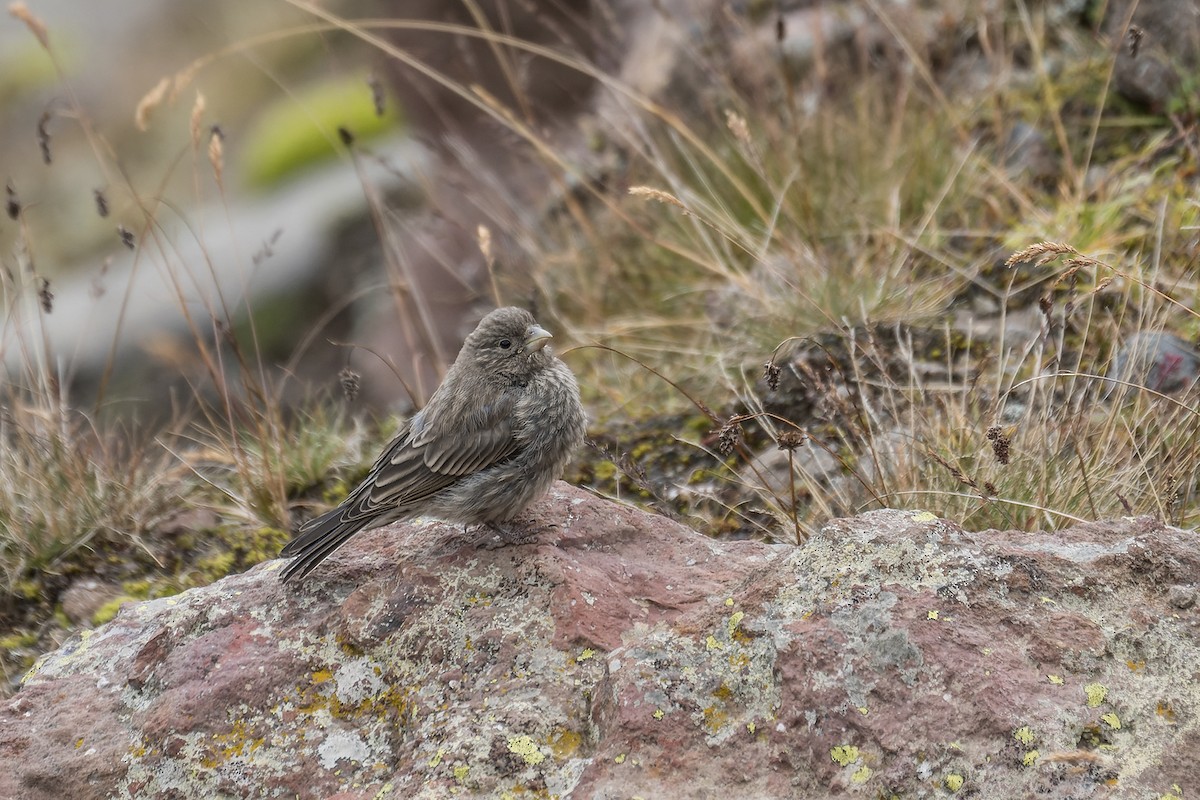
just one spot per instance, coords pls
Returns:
(496, 433)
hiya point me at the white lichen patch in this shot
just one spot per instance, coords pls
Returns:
(342, 744)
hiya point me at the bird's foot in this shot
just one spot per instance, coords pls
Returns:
(508, 534)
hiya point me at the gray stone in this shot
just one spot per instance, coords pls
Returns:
(621, 654)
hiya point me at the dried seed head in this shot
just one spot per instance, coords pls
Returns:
(45, 295)
(1046, 305)
(483, 236)
(1171, 490)
(771, 375)
(790, 440)
(1040, 253)
(43, 137)
(101, 202)
(127, 237)
(21, 11)
(737, 126)
(11, 204)
(657, 195)
(1000, 443)
(729, 435)
(216, 153)
(378, 97)
(150, 101)
(1136, 35)
(197, 118)
(351, 382)
(97, 290)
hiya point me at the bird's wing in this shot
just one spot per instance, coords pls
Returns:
(426, 458)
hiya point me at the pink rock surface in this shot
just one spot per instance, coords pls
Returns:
(622, 655)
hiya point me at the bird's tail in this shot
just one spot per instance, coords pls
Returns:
(316, 540)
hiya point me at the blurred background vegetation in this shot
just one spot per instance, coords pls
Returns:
(793, 250)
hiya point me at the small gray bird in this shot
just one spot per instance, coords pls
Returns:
(494, 436)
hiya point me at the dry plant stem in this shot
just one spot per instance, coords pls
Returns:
(1087, 484)
(401, 267)
(1053, 105)
(361, 30)
(792, 485)
(387, 362)
(1101, 102)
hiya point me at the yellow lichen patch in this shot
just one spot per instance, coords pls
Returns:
(1096, 693)
(953, 782)
(933, 614)
(437, 757)
(527, 749)
(1030, 758)
(461, 771)
(586, 654)
(1055, 679)
(231, 744)
(735, 619)
(844, 754)
(750, 726)
(1111, 720)
(722, 692)
(620, 759)
(861, 775)
(713, 644)
(923, 516)
(565, 743)
(714, 719)
(1167, 713)
(1024, 735)
(658, 713)
(728, 601)
(738, 661)
(1135, 666)
(321, 675)
(863, 710)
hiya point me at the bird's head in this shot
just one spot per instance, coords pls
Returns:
(509, 344)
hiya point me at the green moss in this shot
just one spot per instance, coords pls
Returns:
(303, 129)
(109, 610)
(336, 493)
(217, 565)
(604, 470)
(138, 588)
(264, 544)
(28, 589)
(642, 450)
(18, 640)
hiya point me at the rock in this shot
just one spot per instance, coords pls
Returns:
(624, 655)
(1027, 151)
(1159, 361)
(85, 596)
(1163, 46)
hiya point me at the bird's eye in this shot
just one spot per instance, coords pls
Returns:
(505, 344)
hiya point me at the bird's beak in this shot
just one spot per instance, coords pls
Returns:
(536, 338)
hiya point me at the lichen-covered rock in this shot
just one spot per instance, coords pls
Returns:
(623, 655)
